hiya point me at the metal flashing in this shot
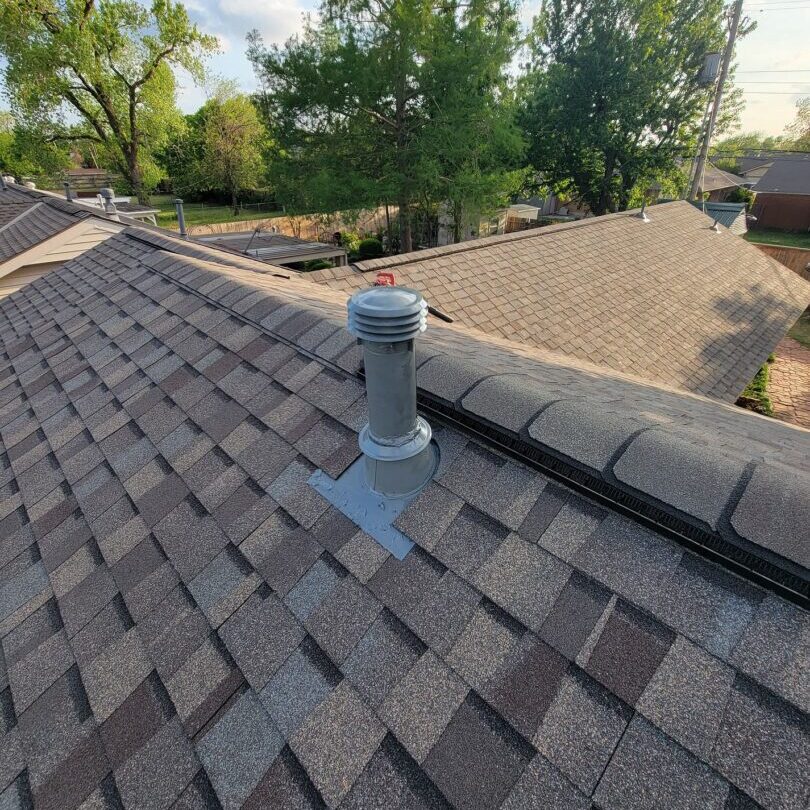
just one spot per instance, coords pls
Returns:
(373, 513)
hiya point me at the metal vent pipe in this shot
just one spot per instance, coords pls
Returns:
(68, 191)
(181, 218)
(400, 458)
(107, 195)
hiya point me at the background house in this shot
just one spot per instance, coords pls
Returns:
(783, 195)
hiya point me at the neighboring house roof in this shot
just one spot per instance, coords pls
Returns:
(715, 179)
(753, 163)
(39, 221)
(787, 176)
(183, 617)
(273, 247)
(667, 300)
(731, 215)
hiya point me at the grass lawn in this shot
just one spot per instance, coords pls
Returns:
(755, 397)
(767, 236)
(197, 214)
(801, 329)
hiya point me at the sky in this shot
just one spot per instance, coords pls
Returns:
(773, 60)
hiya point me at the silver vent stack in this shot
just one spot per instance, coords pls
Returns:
(399, 456)
(107, 195)
(181, 218)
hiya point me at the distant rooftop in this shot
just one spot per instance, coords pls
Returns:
(669, 300)
(276, 248)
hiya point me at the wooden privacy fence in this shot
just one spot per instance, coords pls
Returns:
(797, 259)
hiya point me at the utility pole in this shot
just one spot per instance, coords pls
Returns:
(736, 11)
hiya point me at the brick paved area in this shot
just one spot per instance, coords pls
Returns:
(789, 386)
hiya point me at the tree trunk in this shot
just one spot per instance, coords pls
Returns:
(405, 238)
(234, 202)
(135, 179)
(388, 228)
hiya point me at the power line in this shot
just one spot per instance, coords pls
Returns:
(796, 70)
(798, 81)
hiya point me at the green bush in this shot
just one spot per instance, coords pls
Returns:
(350, 241)
(317, 264)
(370, 249)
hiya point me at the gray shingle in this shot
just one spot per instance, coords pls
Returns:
(481, 648)
(299, 686)
(686, 696)
(629, 559)
(336, 742)
(772, 648)
(342, 618)
(581, 729)
(695, 479)
(221, 587)
(542, 785)
(776, 521)
(239, 749)
(420, 706)
(758, 728)
(260, 636)
(478, 759)
(523, 579)
(600, 435)
(711, 606)
(649, 770)
(381, 658)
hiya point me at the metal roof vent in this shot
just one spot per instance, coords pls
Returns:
(107, 195)
(398, 457)
(396, 441)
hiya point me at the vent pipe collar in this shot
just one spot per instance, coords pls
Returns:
(400, 458)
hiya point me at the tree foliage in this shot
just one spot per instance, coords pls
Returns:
(105, 65)
(392, 102)
(23, 153)
(220, 149)
(799, 130)
(233, 140)
(612, 97)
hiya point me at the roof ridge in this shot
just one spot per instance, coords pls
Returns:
(20, 216)
(484, 242)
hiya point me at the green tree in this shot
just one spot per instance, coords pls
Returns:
(799, 130)
(404, 103)
(612, 97)
(726, 152)
(233, 141)
(24, 154)
(107, 63)
(220, 148)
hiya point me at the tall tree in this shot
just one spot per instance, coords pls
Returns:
(799, 130)
(391, 102)
(613, 98)
(233, 141)
(107, 64)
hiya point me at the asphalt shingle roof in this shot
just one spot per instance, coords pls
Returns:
(31, 225)
(185, 622)
(670, 300)
(789, 175)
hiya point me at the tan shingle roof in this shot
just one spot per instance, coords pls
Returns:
(669, 300)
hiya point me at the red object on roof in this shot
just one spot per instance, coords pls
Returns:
(385, 279)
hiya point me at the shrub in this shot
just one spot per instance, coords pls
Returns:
(370, 249)
(350, 241)
(317, 264)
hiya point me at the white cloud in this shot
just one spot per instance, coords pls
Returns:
(276, 20)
